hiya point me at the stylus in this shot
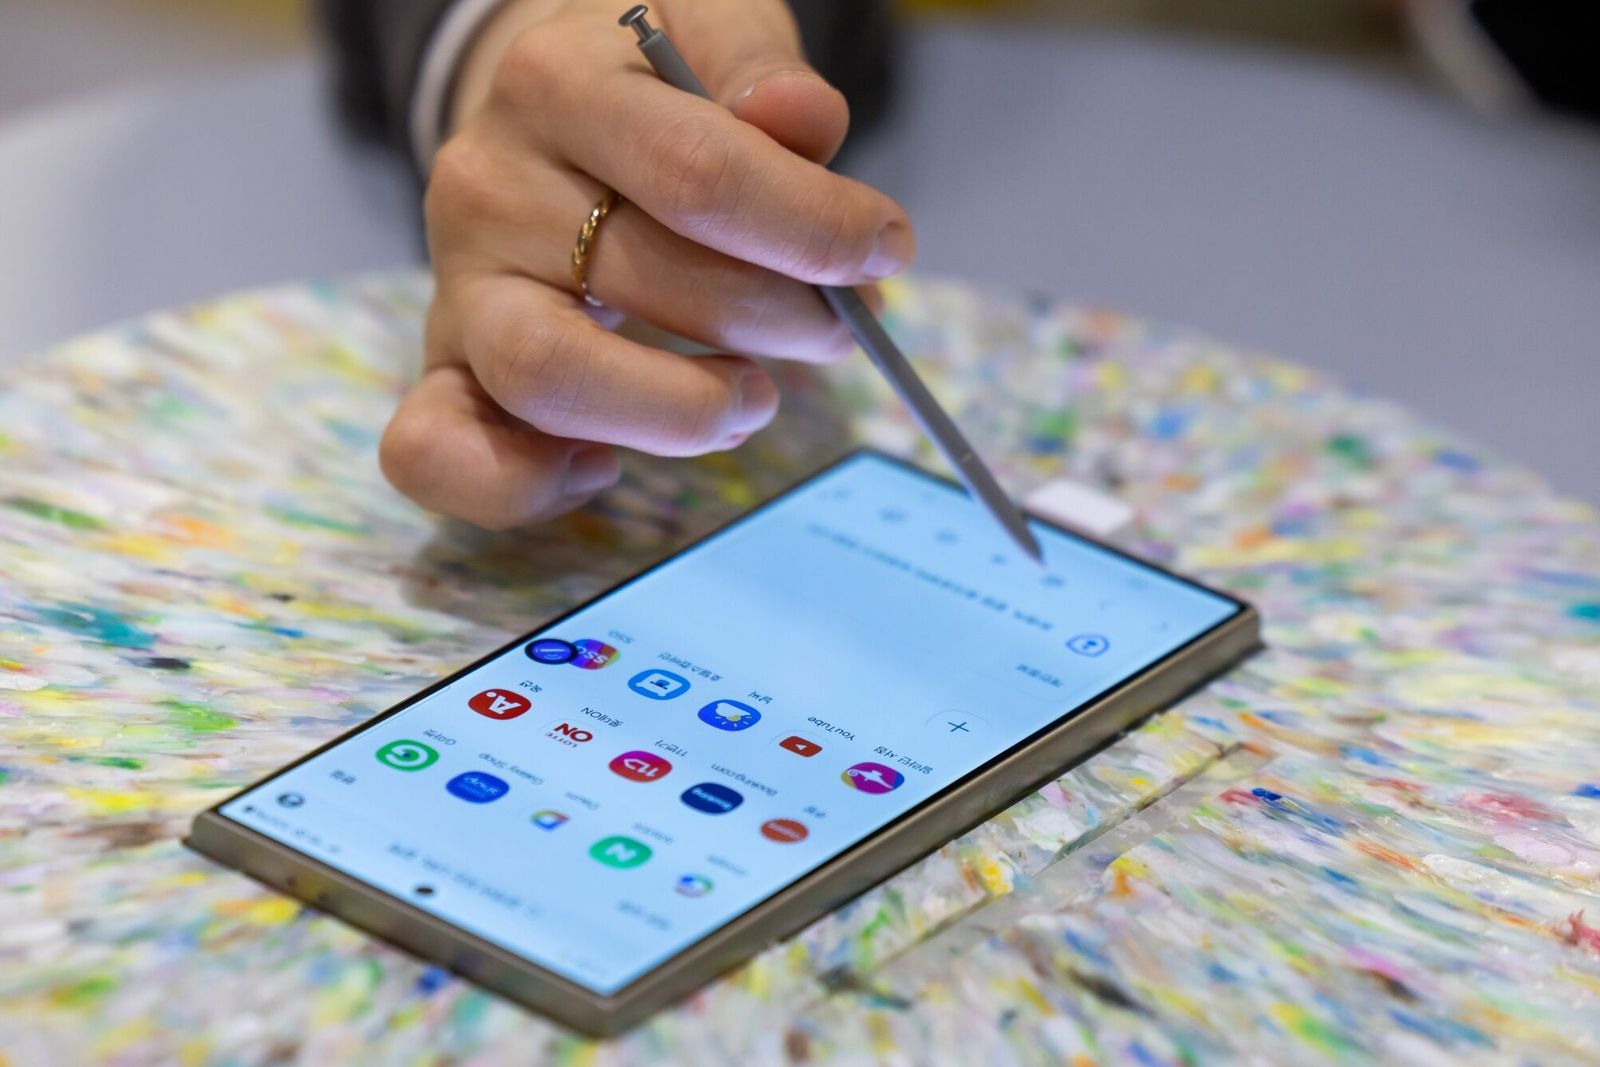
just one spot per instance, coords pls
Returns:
(869, 332)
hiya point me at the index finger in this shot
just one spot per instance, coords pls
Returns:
(725, 184)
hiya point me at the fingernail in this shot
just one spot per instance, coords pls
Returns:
(773, 76)
(893, 251)
(590, 470)
(758, 400)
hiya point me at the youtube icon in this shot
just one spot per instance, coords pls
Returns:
(800, 746)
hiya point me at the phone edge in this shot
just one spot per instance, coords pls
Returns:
(1008, 778)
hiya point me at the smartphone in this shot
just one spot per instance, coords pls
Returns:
(610, 811)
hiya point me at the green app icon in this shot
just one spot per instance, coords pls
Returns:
(623, 852)
(407, 755)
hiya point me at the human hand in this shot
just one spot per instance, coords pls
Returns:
(729, 217)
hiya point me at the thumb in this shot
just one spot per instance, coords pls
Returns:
(797, 109)
(749, 56)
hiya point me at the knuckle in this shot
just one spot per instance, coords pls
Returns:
(401, 451)
(766, 313)
(829, 244)
(461, 184)
(740, 301)
(537, 369)
(698, 427)
(760, 317)
(693, 169)
(533, 67)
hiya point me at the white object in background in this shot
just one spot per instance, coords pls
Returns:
(1081, 508)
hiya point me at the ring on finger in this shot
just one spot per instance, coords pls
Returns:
(584, 249)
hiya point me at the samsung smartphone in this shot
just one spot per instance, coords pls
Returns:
(603, 815)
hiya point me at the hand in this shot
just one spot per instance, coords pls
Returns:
(729, 216)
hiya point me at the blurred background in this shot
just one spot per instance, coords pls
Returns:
(1355, 185)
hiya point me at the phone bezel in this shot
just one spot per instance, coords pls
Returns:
(962, 804)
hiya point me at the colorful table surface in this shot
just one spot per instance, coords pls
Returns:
(1378, 839)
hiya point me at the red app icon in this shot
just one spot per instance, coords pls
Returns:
(569, 735)
(800, 746)
(499, 704)
(640, 766)
(786, 831)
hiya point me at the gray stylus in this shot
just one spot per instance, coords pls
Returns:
(869, 333)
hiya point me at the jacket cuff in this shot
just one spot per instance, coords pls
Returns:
(440, 63)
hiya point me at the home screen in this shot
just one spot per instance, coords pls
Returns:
(614, 788)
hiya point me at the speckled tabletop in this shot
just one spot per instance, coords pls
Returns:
(1378, 839)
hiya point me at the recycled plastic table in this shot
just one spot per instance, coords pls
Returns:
(1379, 838)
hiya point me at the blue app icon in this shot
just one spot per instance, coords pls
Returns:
(1088, 644)
(658, 685)
(729, 715)
(711, 798)
(476, 787)
(550, 650)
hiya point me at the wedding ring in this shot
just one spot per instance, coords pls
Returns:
(585, 246)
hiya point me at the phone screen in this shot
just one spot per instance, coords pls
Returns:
(614, 787)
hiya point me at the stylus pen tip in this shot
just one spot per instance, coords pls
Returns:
(1016, 524)
(1030, 545)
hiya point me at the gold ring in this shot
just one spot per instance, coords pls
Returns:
(585, 246)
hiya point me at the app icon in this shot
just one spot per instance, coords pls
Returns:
(873, 778)
(658, 685)
(407, 755)
(548, 820)
(619, 851)
(693, 885)
(1088, 644)
(729, 715)
(569, 735)
(549, 650)
(640, 766)
(290, 800)
(499, 704)
(591, 654)
(477, 787)
(800, 746)
(711, 798)
(784, 831)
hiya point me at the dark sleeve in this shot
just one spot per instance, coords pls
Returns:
(377, 48)
(1551, 46)
(852, 45)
